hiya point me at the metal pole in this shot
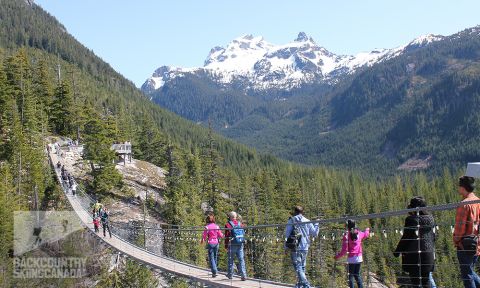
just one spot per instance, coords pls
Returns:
(144, 220)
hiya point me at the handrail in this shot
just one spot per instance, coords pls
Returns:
(441, 207)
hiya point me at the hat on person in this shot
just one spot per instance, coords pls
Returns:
(417, 201)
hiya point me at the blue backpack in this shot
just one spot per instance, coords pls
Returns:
(238, 233)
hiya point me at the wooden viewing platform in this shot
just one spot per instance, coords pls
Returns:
(181, 269)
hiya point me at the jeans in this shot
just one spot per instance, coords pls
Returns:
(354, 273)
(467, 269)
(105, 226)
(432, 282)
(213, 257)
(235, 249)
(418, 279)
(299, 261)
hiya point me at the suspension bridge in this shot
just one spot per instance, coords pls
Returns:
(141, 255)
(261, 236)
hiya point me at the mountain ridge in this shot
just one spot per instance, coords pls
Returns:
(261, 65)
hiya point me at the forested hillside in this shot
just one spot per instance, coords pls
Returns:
(62, 89)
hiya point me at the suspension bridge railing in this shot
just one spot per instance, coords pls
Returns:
(265, 257)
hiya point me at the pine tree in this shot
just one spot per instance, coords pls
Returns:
(42, 89)
(151, 144)
(101, 157)
(136, 275)
(212, 177)
(176, 201)
(62, 114)
(8, 204)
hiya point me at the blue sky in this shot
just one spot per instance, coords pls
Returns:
(136, 37)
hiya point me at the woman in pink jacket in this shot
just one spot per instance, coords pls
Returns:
(352, 246)
(211, 234)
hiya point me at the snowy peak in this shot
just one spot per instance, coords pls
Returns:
(268, 65)
(303, 37)
(247, 42)
(251, 62)
(423, 40)
(162, 75)
(239, 55)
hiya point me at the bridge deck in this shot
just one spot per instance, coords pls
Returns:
(168, 265)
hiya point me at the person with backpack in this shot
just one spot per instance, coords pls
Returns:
(234, 239)
(97, 208)
(352, 247)
(298, 241)
(105, 221)
(417, 245)
(211, 234)
(465, 233)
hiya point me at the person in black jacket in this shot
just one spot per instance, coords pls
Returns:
(418, 235)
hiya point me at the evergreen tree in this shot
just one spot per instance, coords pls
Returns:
(101, 157)
(150, 143)
(175, 198)
(62, 115)
(42, 89)
(136, 275)
(211, 174)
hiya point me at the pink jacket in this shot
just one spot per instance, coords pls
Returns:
(353, 247)
(212, 232)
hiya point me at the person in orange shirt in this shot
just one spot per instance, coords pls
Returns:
(467, 220)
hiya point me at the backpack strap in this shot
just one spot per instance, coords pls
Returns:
(295, 222)
(206, 230)
(231, 231)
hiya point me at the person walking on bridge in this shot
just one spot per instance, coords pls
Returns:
(299, 253)
(96, 224)
(417, 245)
(352, 247)
(211, 234)
(97, 208)
(105, 222)
(74, 188)
(466, 231)
(234, 239)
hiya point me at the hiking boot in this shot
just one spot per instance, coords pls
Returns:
(229, 276)
(244, 278)
(214, 275)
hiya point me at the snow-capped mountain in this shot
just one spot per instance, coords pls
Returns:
(260, 65)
